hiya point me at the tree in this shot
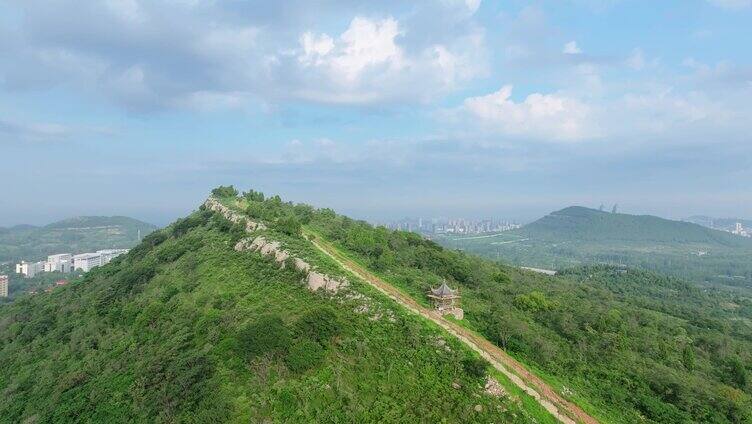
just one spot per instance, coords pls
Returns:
(254, 196)
(225, 191)
(688, 358)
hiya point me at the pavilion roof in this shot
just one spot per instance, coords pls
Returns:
(443, 291)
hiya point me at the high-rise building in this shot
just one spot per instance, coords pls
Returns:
(3, 286)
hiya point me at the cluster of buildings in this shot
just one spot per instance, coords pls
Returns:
(739, 230)
(65, 262)
(452, 226)
(3, 286)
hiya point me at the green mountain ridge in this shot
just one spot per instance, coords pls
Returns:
(194, 325)
(188, 328)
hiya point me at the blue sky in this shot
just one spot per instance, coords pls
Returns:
(378, 109)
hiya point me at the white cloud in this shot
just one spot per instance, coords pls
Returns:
(571, 48)
(368, 43)
(367, 64)
(546, 117)
(153, 55)
(315, 48)
(364, 45)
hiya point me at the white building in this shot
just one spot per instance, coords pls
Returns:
(3, 286)
(30, 269)
(110, 254)
(87, 261)
(739, 230)
(61, 262)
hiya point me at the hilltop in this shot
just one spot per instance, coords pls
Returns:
(78, 234)
(219, 319)
(581, 236)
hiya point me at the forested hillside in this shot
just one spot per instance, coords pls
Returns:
(630, 346)
(74, 235)
(580, 236)
(189, 328)
(186, 328)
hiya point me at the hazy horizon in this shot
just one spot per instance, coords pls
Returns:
(403, 208)
(378, 110)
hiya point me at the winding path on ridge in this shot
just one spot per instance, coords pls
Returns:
(564, 410)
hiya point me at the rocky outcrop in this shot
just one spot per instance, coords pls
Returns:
(313, 279)
(213, 204)
(301, 265)
(493, 388)
(316, 281)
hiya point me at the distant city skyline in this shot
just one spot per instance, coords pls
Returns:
(391, 216)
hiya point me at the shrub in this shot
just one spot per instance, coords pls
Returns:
(475, 367)
(171, 253)
(267, 335)
(501, 277)
(288, 225)
(320, 324)
(534, 301)
(182, 226)
(152, 240)
(304, 355)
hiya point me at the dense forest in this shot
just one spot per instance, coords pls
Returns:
(184, 328)
(581, 236)
(73, 235)
(628, 345)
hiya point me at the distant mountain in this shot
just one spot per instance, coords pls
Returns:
(578, 223)
(581, 236)
(74, 235)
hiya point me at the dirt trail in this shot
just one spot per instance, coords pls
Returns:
(564, 410)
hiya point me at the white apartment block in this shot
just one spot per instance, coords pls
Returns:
(30, 269)
(3, 286)
(110, 254)
(87, 261)
(61, 262)
(65, 262)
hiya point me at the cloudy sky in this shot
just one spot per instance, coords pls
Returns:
(378, 109)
